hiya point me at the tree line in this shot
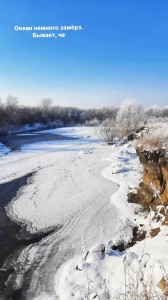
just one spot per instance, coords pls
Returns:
(14, 115)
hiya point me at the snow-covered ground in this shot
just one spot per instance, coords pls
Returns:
(82, 186)
(78, 132)
(83, 135)
(113, 274)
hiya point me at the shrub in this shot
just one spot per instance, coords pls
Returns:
(130, 117)
(108, 131)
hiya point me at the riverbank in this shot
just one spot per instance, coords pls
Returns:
(124, 267)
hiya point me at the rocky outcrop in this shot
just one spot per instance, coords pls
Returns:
(153, 189)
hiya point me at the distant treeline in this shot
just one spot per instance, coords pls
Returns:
(157, 112)
(13, 115)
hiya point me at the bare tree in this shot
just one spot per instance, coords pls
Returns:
(45, 104)
(11, 103)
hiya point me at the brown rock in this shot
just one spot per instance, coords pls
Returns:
(153, 190)
(155, 156)
(154, 231)
(163, 285)
(138, 235)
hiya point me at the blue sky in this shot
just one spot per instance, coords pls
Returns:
(122, 51)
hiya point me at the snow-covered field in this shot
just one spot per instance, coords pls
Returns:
(80, 185)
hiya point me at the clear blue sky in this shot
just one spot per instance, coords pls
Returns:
(121, 51)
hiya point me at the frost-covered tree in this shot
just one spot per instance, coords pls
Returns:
(108, 131)
(45, 104)
(130, 116)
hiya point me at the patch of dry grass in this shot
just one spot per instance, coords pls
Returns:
(154, 138)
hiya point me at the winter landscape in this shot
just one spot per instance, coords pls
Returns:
(83, 150)
(88, 206)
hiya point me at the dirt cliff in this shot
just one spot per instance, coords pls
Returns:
(152, 193)
(153, 189)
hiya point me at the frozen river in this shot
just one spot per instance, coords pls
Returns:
(63, 206)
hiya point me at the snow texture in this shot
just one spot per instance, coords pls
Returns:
(81, 185)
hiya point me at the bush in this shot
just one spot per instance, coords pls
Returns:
(108, 131)
(130, 117)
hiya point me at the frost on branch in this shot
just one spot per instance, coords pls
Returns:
(130, 116)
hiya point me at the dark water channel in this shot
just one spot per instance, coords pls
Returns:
(16, 141)
(12, 236)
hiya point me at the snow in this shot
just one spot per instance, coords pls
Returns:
(106, 273)
(82, 186)
(154, 137)
(67, 193)
(124, 170)
(84, 135)
(67, 189)
(84, 132)
(111, 274)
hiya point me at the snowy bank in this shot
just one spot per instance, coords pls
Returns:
(106, 271)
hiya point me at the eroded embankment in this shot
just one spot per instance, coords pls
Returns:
(152, 193)
(153, 190)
